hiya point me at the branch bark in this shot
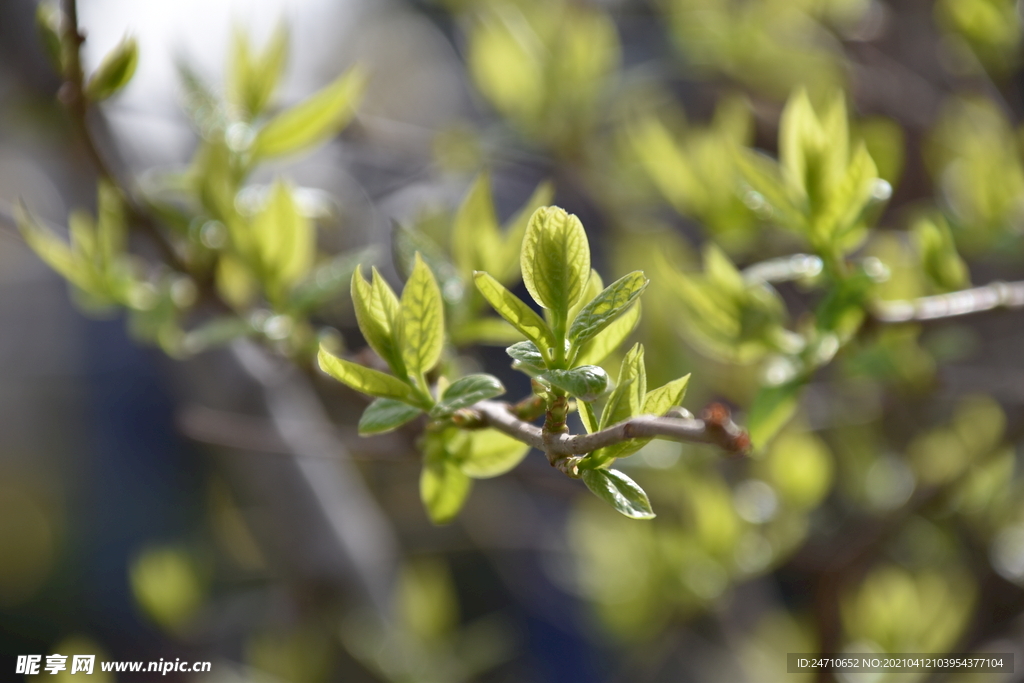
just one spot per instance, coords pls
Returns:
(975, 300)
(716, 428)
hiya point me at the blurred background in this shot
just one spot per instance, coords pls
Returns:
(161, 499)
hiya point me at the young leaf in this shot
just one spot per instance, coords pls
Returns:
(465, 392)
(475, 235)
(422, 320)
(848, 198)
(619, 491)
(627, 398)
(595, 285)
(527, 358)
(367, 380)
(762, 175)
(772, 409)
(555, 260)
(312, 121)
(800, 137)
(385, 415)
(114, 72)
(506, 265)
(489, 453)
(47, 246)
(585, 383)
(490, 331)
(378, 315)
(514, 310)
(253, 78)
(606, 307)
(587, 416)
(111, 232)
(286, 239)
(611, 338)
(443, 485)
(658, 401)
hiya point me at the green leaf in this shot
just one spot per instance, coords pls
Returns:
(114, 72)
(422, 320)
(800, 137)
(606, 307)
(555, 260)
(507, 267)
(526, 352)
(586, 382)
(54, 251)
(367, 380)
(611, 338)
(587, 416)
(111, 231)
(312, 121)
(619, 491)
(772, 408)
(285, 238)
(762, 175)
(379, 318)
(467, 391)
(476, 240)
(443, 484)
(385, 415)
(492, 331)
(848, 198)
(658, 401)
(253, 78)
(938, 256)
(595, 285)
(514, 310)
(628, 397)
(489, 453)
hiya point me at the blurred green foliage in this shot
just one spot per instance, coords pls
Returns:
(770, 272)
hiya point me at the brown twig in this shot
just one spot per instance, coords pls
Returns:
(72, 96)
(717, 428)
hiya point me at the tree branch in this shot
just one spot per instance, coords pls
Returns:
(716, 428)
(976, 300)
(72, 96)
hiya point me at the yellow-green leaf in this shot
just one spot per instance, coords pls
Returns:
(515, 311)
(385, 415)
(658, 401)
(114, 72)
(475, 237)
(422, 320)
(286, 239)
(312, 121)
(606, 307)
(443, 484)
(555, 260)
(628, 397)
(619, 491)
(489, 453)
(605, 342)
(254, 77)
(377, 313)
(367, 380)
(507, 267)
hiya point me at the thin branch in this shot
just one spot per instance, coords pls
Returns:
(72, 96)
(784, 269)
(976, 300)
(717, 428)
